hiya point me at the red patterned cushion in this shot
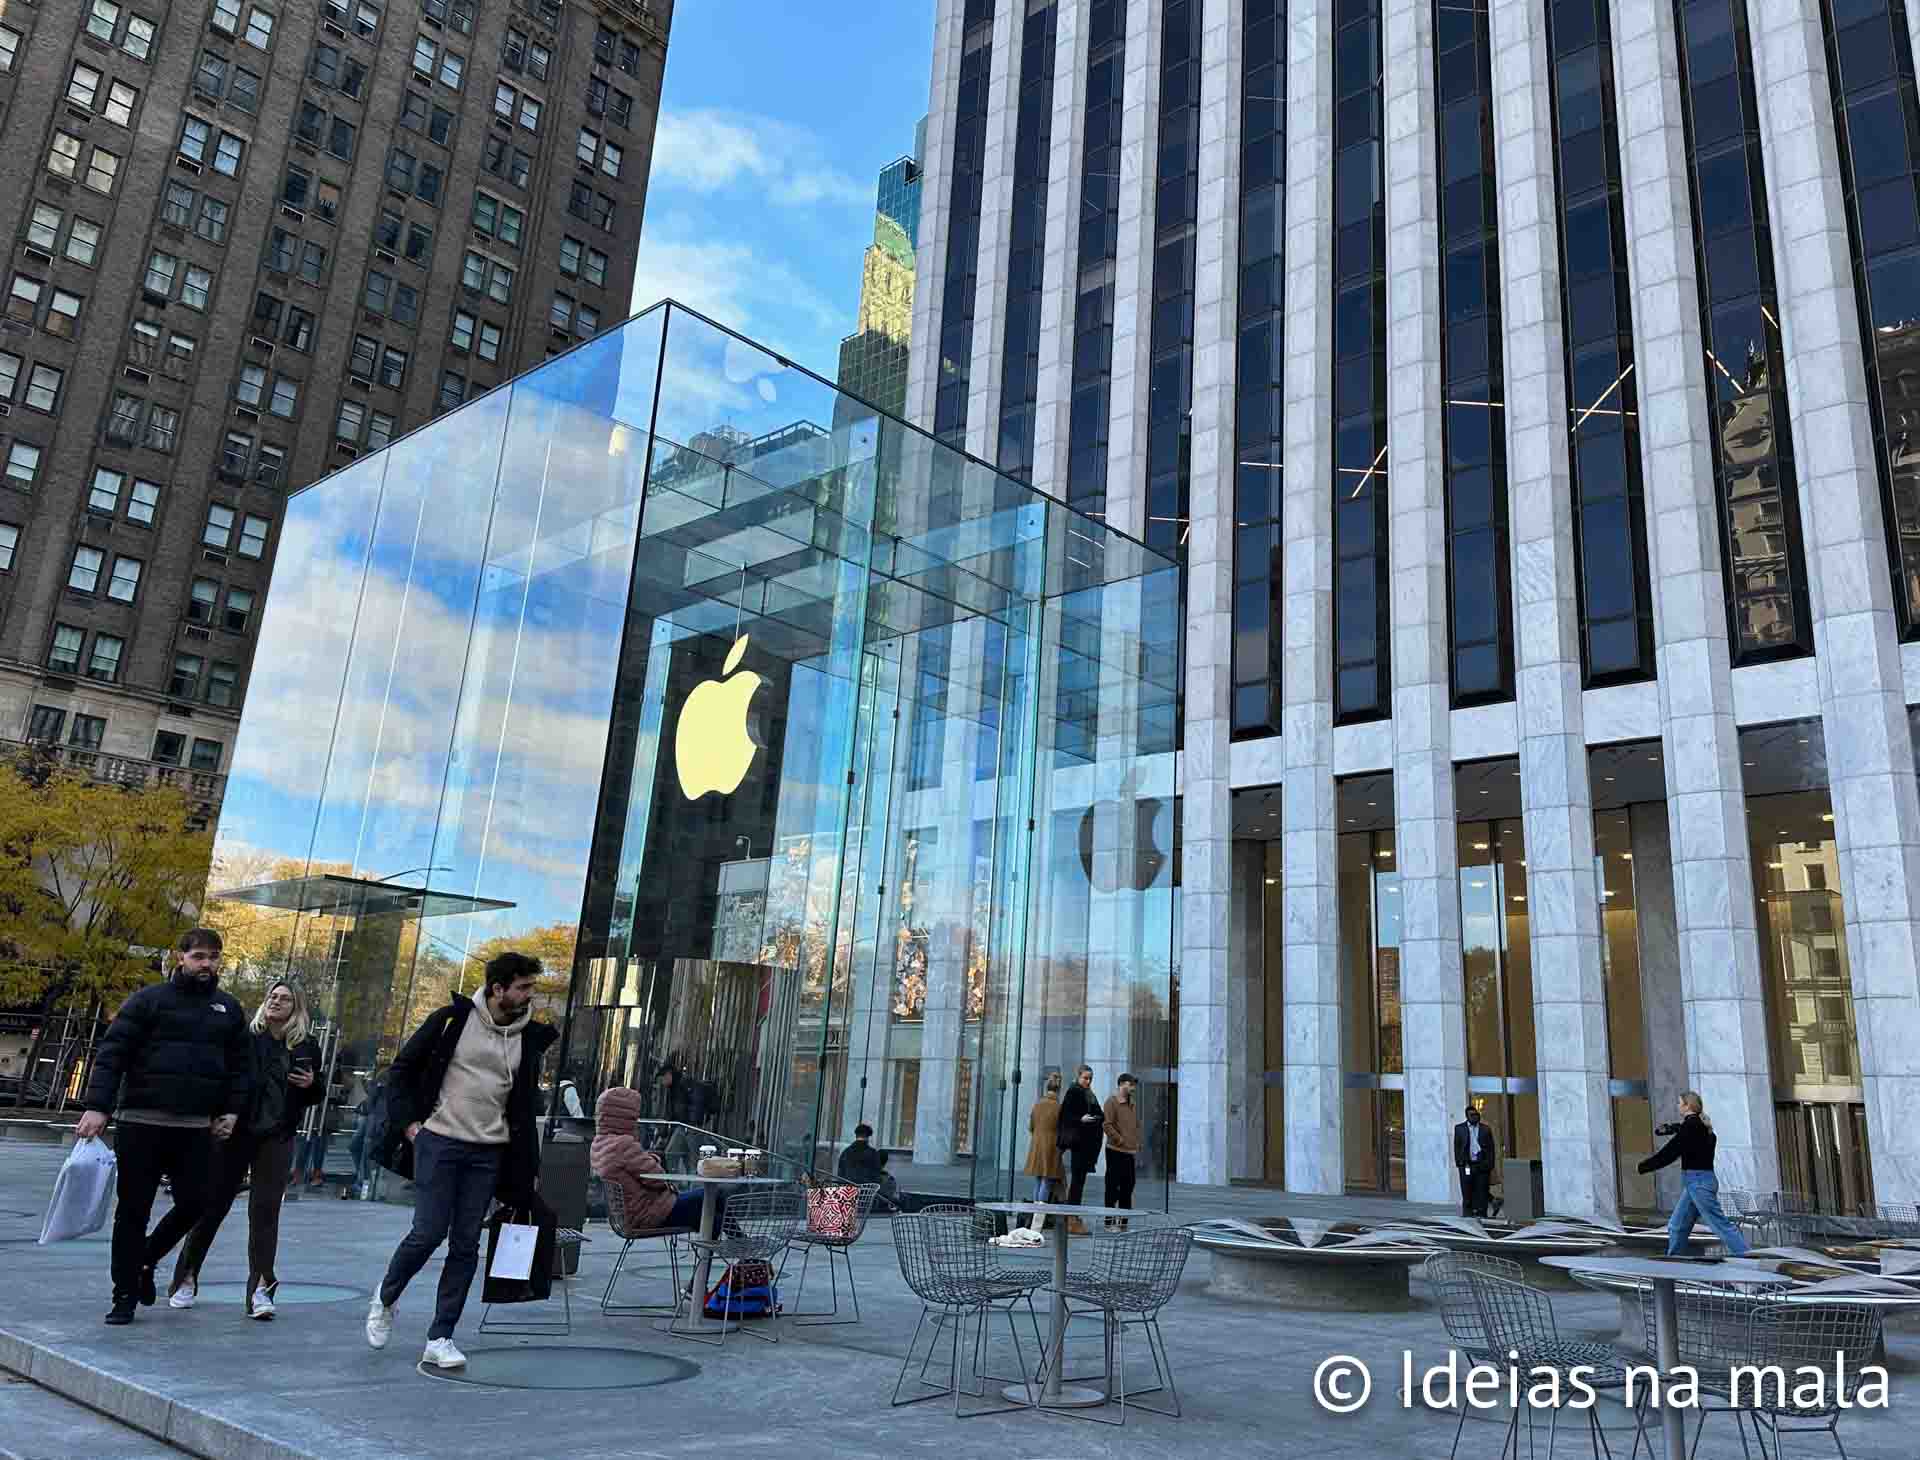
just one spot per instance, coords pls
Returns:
(830, 1210)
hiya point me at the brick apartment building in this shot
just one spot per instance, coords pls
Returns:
(246, 242)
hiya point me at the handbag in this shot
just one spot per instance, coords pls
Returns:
(830, 1210)
(537, 1285)
(82, 1193)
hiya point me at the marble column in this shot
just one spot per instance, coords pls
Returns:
(1315, 1147)
(1208, 1040)
(1246, 1085)
(1433, 1018)
(1569, 988)
(1059, 292)
(1133, 272)
(1870, 768)
(1662, 1005)
(936, 212)
(996, 228)
(1725, 1012)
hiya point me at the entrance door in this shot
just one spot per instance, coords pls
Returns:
(1824, 1154)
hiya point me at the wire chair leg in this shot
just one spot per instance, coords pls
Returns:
(606, 1298)
(907, 1362)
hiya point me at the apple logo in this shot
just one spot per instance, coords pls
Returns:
(711, 747)
(1100, 832)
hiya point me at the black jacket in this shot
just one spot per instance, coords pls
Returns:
(1692, 1146)
(863, 1163)
(1087, 1136)
(1460, 1138)
(270, 1060)
(414, 1090)
(181, 1046)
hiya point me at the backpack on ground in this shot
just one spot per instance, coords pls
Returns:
(746, 1290)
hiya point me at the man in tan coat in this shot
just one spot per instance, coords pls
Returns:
(1123, 1142)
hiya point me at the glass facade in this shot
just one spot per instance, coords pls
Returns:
(1361, 678)
(1745, 359)
(724, 697)
(1099, 214)
(1877, 118)
(1027, 247)
(1176, 205)
(874, 359)
(1479, 589)
(1259, 427)
(1610, 530)
(963, 235)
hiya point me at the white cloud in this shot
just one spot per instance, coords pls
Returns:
(733, 282)
(711, 151)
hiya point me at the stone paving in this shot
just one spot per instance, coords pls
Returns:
(212, 1383)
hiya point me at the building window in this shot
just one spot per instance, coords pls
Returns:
(195, 285)
(226, 16)
(162, 269)
(23, 462)
(510, 104)
(206, 755)
(497, 220)
(64, 653)
(223, 686)
(212, 222)
(379, 430)
(419, 114)
(168, 747)
(83, 85)
(63, 314)
(63, 157)
(453, 389)
(285, 399)
(253, 536)
(335, 68)
(112, 22)
(10, 368)
(104, 662)
(83, 241)
(124, 585)
(104, 495)
(45, 723)
(603, 207)
(384, 295)
(260, 27)
(83, 575)
(10, 40)
(88, 731)
(478, 272)
(408, 174)
(454, 14)
(202, 597)
(351, 420)
(9, 541)
(43, 387)
(504, 160)
(23, 298)
(163, 425)
(393, 367)
(432, 60)
(270, 469)
(143, 503)
(238, 611)
(219, 529)
(123, 425)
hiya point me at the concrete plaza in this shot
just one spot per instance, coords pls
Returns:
(214, 1384)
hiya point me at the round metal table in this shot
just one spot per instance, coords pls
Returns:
(1055, 1394)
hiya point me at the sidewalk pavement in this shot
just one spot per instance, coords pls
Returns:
(215, 1384)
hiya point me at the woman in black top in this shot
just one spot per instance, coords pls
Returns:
(1081, 1132)
(1692, 1146)
(260, 1151)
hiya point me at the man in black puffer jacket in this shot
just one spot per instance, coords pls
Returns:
(175, 1061)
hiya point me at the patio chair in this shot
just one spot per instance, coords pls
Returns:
(759, 1226)
(947, 1269)
(983, 1228)
(1790, 1334)
(1896, 1218)
(1447, 1273)
(1138, 1274)
(620, 1225)
(838, 1246)
(1711, 1322)
(544, 1326)
(1519, 1319)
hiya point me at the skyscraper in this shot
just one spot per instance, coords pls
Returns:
(249, 242)
(1529, 392)
(873, 359)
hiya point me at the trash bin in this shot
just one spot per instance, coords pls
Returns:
(563, 1184)
(1525, 1193)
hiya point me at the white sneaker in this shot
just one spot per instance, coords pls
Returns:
(261, 1304)
(184, 1296)
(379, 1323)
(442, 1354)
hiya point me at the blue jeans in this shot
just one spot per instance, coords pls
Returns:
(1700, 1196)
(453, 1184)
(1043, 1188)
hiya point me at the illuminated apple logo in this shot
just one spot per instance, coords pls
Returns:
(711, 748)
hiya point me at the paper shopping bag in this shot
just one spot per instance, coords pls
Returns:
(529, 1278)
(513, 1251)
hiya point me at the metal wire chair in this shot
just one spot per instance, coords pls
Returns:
(618, 1223)
(1897, 1218)
(1829, 1337)
(1711, 1322)
(983, 1228)
(837, 1246)
(759, 1225)
(1138, 1274)
(1447, 1272)
(1519, 1322)
(947, 1270)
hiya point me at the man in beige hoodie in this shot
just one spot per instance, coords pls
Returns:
(1123, 1142)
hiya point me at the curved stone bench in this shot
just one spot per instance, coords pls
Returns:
(1327, 1279)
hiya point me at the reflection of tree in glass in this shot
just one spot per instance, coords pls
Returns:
(800, 892)
(910, 951)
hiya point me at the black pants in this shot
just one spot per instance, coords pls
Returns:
(453, 1184)
(1083, 1162)
(1120, 1172)
(1475, 1185)
(144, 1154)
(264, 1163)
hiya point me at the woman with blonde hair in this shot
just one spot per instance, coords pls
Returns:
(1691, 1144)
(1043, 1150)
(284, 1082)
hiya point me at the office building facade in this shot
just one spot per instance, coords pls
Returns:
(1528, 392)
(249, 242)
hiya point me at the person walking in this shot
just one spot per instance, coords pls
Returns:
(175, 1060)
(282, 1082)
(1080, 1133)
(460, 1097)
(1473, 1159)
(1120, 1123)
(1692, 1143)
(1043, 1146)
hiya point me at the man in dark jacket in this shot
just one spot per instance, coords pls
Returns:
(462, 1125)
(1082, 1131)
(1473, 1159)
(175, 1060)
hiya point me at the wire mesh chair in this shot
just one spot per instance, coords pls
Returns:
(621, 1226)
(947, 1269)
(1139, 1272)
(1711, 1322)
(1447, 1272)
(983, 1228)
(1895, 1218)
(837, 1245)
(1519, 1321)
(759, 1225)
(1838, 1339)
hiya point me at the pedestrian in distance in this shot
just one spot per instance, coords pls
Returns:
(175, 1061)
(1043, 1146)
(865, 1164)
(282, 1082)
(1691, 1142)
(1473, 1159)
(1080, 1133)
(462, 1127)
(1120, 1123)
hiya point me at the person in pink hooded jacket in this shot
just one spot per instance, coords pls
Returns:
(618, 1157)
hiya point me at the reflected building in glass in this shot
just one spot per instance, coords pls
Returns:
(1552, 761)
(873, 359)
(735, 700)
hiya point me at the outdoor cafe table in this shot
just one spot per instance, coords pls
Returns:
(1664, 1275)
(1055, 1394)
(711, 1187)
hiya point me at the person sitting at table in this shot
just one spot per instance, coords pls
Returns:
(617, 1156)
(865, 1164)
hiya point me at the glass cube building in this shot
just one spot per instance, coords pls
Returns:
(811, 754)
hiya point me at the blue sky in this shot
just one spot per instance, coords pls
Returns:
(774, 125)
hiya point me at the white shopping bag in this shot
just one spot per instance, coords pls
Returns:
(82, 1194)
(513, 1254)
